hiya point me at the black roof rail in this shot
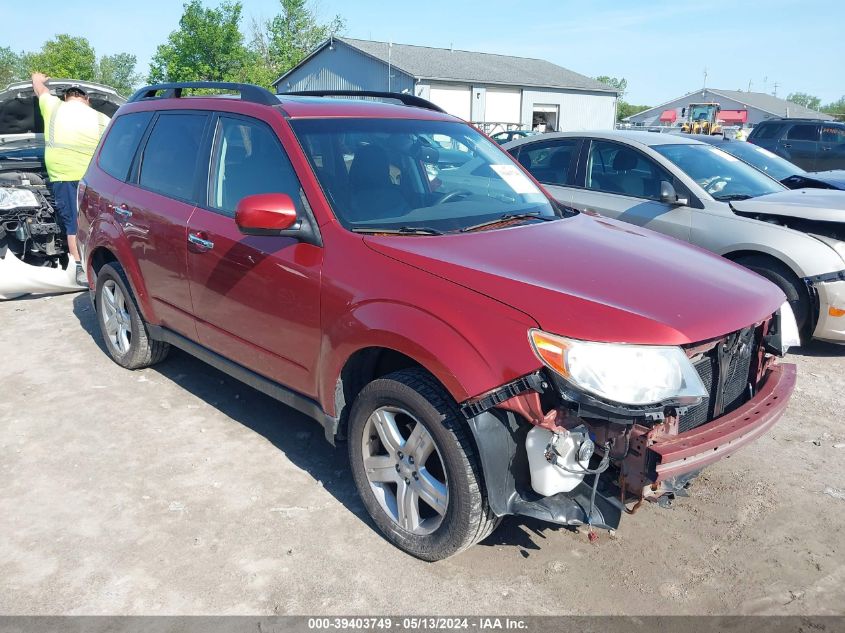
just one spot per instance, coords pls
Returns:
(249, 92)
(407, 99)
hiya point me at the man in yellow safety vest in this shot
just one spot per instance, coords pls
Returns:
(72, 129)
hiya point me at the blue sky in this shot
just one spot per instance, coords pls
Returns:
(661, 48)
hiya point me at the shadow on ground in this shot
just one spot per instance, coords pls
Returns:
(285, 428)
(818, 349)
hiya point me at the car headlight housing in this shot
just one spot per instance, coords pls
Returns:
(635, 375)
(11, 198)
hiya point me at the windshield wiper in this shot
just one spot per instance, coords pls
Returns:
(402, 230)
(507, 217)
(733, 196)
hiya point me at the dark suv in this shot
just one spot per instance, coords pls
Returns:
(483, 350)
(811, 144)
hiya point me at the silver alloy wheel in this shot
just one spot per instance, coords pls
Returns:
(116, 316)
(405, 470)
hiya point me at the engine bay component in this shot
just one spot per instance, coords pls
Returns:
(555, 459)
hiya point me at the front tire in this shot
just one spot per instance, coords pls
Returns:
(416, 467)
(123, 329)
(795, 291)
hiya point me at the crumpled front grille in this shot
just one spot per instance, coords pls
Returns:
(738, 349)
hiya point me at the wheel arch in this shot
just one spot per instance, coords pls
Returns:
(103, 251)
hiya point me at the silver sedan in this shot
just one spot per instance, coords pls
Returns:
(697, 193)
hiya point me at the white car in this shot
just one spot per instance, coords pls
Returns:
(697, 193)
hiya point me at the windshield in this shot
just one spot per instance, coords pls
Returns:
(719, 174)
(772, 164)
(413, 176)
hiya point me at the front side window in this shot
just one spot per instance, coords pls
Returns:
(404, 174)
(803, 133)
(615, 168)
(721, 175)
(833, 134)
(549, 161)
(248, 159)
(122, 142)
(170, 162)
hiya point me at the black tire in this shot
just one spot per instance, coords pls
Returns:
(142, 351)
(468, 518)
(794, 289)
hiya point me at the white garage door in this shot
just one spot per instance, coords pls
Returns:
(456, 100)
(503, 106)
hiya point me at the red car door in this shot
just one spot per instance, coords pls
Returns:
(155, 211)
(256, 299)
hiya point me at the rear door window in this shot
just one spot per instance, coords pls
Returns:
(122, 142)
(248, 159)
(803, 132)
(171, 157)
(550, 162)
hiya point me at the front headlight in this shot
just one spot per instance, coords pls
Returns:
(15, 198)
(626, 374)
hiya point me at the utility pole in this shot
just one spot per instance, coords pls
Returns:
(389, 63)
(775, 93)
(749, 85)
(704, 87)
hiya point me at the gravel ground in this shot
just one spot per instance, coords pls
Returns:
(177, 490)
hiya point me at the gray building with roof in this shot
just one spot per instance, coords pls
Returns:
(493, 91)
(759, 105)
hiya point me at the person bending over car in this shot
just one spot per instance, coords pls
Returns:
(72, 129)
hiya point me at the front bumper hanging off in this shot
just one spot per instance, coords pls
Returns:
(691, 451)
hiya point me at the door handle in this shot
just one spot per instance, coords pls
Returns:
(193, 238)
(826, 149)
(786, 145)
(121, 211)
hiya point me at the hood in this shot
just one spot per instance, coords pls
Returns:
(19, 112)
(833, 177)
(821, 205)
(596, 279)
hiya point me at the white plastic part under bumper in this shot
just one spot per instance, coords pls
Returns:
(831, 323)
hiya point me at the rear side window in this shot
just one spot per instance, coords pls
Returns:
(249, 159)
(833, 134)
(803, 133)
(169, 165)
(122, 142)
(549, 162)
(768, 130)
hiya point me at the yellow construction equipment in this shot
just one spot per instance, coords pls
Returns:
(701, 119)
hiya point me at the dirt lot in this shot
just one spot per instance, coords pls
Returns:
(177, 490)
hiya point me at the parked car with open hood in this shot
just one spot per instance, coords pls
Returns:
(28, 224)
(788, 174)
(483, 350)
(695, 192)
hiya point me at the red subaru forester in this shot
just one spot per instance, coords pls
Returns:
(390, 271)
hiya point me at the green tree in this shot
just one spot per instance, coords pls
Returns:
(64, 56)
(836, 108)
(9, 66)
(620, 85)
(804, 99)
(279, 44)
(624, 109)
(207, 46)
(118, 71)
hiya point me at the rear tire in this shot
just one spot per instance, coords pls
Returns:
(794, 289)
(123, 329)
(382, 460)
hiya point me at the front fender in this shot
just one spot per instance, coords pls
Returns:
(469, 352)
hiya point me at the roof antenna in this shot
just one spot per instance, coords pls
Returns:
(331, 42)
(451, 47)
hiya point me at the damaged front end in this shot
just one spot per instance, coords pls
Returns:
(28, 223)
(562, 454)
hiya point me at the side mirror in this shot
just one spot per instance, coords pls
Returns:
(669, 195)
(266, 214)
